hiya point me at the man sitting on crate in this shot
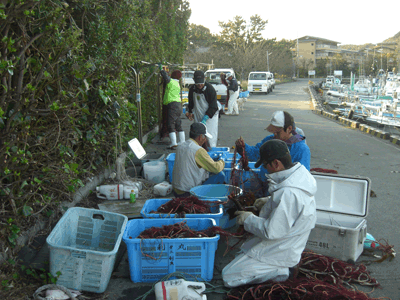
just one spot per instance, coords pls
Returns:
(285, 221)
(193, 164)
(283, 128)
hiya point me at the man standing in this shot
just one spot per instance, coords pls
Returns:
(233, 90)
(284, 223)
(203, 106)
(172, 101)
(193, 164)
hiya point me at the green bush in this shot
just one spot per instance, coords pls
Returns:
(68, 94)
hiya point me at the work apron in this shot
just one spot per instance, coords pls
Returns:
(199, 111)
(232, 104)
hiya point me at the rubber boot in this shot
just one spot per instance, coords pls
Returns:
(181, 135)
(172, 137)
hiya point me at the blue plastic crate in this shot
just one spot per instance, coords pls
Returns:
(228, 164)
(152, 259)
(171, 160)
(220, 149)
(229, 156)
(244, 94)
(154, 204)
(249, 177)
(83, 247)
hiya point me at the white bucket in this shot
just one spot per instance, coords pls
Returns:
(110, 191)
(178, 290)
(154, 171)
(163, 189)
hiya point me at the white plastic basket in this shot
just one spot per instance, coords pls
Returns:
(83, 247)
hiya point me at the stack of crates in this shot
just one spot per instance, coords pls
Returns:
(216, 153)
(83, 247)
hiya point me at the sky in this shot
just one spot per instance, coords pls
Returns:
(342, 21)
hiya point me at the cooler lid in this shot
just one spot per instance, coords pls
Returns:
(348, 195)
(137, 148)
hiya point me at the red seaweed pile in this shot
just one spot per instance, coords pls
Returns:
(186, 205)
(320, 277)
(182, 230)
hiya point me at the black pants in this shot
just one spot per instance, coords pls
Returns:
(174, 117)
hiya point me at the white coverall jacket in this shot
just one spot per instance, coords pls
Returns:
(280, 232)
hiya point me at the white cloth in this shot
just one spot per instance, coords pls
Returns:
(219, 105)
(301, 132)
(186, 174)
(199, 110)
(281, 230)
(233, 107)
(246, 270)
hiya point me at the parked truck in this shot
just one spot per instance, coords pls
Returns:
(187, 78)
(214, 78)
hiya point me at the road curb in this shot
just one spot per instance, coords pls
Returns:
(330, 115)
(350, 123)
(353, 124)
(394, 140)
(375, 132)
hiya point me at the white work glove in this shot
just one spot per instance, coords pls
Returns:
(260, 202)
(242, 216)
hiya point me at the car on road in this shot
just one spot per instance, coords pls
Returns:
(259, 82)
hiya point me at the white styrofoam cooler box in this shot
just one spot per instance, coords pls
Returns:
(342, 206)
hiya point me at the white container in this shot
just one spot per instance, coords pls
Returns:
(342, 206)
(110, 192)
(163, 189)
(137, 184)
(180, 289)
(130, 189)
(154, 171)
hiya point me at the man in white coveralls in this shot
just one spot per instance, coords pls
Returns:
(285, 221)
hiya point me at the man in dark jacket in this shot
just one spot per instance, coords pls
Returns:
(233, 90)
(203, 106)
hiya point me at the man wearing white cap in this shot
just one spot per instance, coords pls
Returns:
(193, 163)
(283, 128)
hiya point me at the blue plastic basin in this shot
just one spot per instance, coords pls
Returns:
(215, 191)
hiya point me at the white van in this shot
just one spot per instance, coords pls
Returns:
(259, 82)
(187, 78)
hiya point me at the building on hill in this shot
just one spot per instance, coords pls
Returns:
(314, 48)
(386, 47)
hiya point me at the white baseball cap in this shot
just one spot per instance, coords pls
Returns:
(277, 121)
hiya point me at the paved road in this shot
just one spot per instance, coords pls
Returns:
(333, 146)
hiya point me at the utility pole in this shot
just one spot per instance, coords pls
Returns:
(268, 54)
(297, 59)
